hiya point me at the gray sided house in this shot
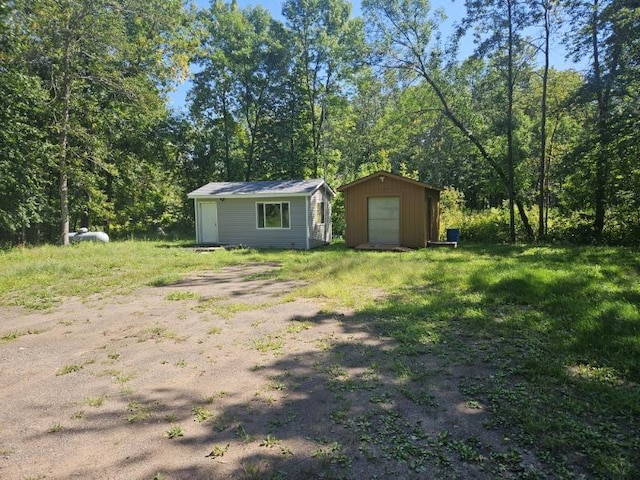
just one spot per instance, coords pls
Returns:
(269, 214)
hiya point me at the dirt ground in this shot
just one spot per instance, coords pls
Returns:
(219, 377)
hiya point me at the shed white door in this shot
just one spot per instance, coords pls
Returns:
(208, 222)
(384, 220)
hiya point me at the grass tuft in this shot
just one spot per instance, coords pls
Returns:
(69, 369)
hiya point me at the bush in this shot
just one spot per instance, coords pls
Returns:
(452, 213)
(486, 226)
(492, 225)
(577, 228)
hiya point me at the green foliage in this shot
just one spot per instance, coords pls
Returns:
(338, 224)
(327, 45)
(23, 150)
(451, 209)
(86, 82)
(490, 226)
(238, 95)
(201, 414)
(174, 432)
(69, 369)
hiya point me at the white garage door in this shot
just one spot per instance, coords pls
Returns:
(384, 220)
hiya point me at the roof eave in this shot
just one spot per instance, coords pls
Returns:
(389, 174)
(247, 195)
(327, 187)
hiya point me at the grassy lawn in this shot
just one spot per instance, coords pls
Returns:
(556, 329)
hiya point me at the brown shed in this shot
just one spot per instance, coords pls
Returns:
(388, 209)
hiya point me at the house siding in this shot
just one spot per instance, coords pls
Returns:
(238, 216)
(319, 233)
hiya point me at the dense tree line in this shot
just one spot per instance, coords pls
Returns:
(88, 138)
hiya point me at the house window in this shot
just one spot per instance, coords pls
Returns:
(273, 215)
(320, 213)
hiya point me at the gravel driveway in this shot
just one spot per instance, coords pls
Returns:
(220, 376)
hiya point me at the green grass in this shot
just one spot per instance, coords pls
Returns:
(269, 343)
(138, 412)
(14, 335)
(55, 427)
(96, 402)
(558, 327)
(39, 278)
(218, 451)
(159, 333)
(555, 333)
(228, 310)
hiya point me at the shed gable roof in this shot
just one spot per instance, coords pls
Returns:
(382, 173)
(261, 189)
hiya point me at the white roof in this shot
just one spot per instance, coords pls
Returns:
(270, 188)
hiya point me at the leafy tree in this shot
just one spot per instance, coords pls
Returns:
(403, 33)
(562, 131)
(328, 45)
(244, 69)
(214, 99)
(547, 14)
(23, 150)
(498, 27)
(23, 147)
(604, 32)
(96, 58)
(356, 129)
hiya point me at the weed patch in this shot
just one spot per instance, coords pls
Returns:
(138, 412)
(218, 451)
(174, 432)
(14, 335)
(159, 333)
(55, 427)
(222, 308)
(201, 414)
(269, 343)
(181, 295)
(69, 369)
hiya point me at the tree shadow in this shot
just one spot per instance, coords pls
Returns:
(431, 382)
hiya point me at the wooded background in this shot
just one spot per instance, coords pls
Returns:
(524, 150)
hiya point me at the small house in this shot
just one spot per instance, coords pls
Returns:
(265, 214)
(388, 209)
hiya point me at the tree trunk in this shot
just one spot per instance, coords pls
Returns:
(227, 138)
(525, 220)
(510, 154)
(64, 143)
(602, 157)
(543, 124)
